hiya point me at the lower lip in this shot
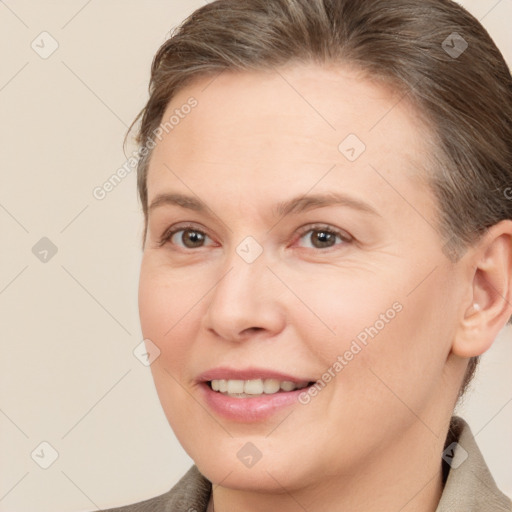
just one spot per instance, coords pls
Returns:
(249, 409)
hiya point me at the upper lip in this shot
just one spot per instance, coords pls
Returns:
(227, 373)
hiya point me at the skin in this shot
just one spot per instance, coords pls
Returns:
(372, 438)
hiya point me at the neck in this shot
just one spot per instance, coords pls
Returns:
(407, 476)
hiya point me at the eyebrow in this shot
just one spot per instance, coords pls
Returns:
(293, 206)
(308, 202)
(182, 200)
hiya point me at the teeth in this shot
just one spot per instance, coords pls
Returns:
(220, 385)
(287, 385)
(243, 388)
(271, 386)
(235, 386)
(253, 387)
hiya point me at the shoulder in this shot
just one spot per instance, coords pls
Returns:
(469, 484)
(190, 494)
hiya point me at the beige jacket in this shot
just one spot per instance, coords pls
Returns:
(469, 486)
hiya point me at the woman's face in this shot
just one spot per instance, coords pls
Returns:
(304, 249)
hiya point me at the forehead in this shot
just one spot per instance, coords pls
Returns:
(288, 127)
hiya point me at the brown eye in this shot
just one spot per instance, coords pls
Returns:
(185, 237)
(190, 238)
(322, 238)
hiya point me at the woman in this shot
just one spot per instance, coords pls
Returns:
(327, 252)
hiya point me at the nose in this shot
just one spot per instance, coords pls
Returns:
(245, 302)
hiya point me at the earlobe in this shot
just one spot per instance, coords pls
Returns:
(490, 298)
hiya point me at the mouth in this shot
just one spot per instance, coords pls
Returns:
(237, 388)
(250, 395)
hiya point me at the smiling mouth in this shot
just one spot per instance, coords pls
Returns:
(255, 387)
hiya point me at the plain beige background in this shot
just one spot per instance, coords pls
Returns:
(68, 373)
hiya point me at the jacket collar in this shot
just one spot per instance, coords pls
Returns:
(469, 485)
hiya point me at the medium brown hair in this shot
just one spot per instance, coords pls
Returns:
(417, 46)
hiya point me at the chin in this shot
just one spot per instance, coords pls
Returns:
(268, 478)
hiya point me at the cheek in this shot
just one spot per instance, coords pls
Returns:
(376, 336)
(344, 307)
(164, 297)
(166, 310)
(166, 313)
(403, 362)
(155, 305)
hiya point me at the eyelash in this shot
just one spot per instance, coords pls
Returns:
(171, 232)
(344, 237)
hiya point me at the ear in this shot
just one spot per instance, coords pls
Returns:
(488, 304)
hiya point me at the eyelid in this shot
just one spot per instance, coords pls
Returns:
(172, 230)
(346, 237)
(343, 235)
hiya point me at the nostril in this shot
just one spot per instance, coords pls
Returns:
(255, 329)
